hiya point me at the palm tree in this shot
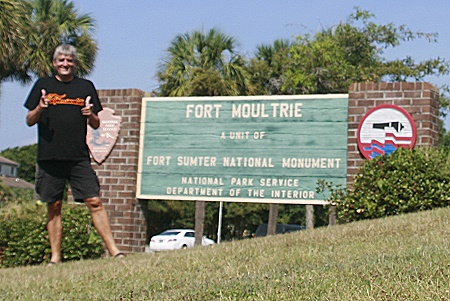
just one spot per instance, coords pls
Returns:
(31, 30)
(200, 64)
(268, 53)
(56, 22)
(14, 27)
(268, 66)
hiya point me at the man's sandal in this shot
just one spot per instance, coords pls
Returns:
(120, 255)
(51, 263)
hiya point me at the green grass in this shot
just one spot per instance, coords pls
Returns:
(405, 257)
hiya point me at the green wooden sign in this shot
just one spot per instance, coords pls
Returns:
(264, 149)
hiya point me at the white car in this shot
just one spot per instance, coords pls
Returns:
(176, 239)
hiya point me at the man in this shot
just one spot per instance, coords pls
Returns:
(63, 105)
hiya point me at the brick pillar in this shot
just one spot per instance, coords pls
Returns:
(420, 100)
(118, 173)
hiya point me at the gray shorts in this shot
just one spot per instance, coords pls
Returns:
(52, 177)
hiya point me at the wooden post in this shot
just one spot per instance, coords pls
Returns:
(273, 216)
(309, 217)
(199, 222)
(332, 216)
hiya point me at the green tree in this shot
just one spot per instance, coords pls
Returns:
(180, 214)
(268, 67)
(170, 214)
(200, 64)
(56, 22)
(26, 157)
(30, 32)
(14, 31)
(444, 139)
(239, 217)
(332, 59)
(203, 64)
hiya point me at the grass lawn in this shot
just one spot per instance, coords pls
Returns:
(404, 257)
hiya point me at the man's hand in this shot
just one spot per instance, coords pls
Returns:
(87, 109)
(43, 102)
(33, 115)
(93, 120)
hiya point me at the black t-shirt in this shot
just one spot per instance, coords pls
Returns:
(62, 128)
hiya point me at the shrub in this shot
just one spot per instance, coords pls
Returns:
(405, 181)
(6, 193)
(14, 195)
(24, 240)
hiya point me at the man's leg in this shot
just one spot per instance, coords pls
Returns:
(101, 223)
(54, 228)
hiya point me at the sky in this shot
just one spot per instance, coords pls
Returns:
(133, 36)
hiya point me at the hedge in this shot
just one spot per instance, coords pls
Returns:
(24, 238)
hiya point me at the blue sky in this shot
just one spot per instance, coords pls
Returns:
(133, 36)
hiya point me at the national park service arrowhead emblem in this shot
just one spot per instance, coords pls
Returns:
(102, 140)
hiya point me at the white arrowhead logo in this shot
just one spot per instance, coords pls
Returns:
(102, 140)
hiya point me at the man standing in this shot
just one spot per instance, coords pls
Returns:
(63, 105)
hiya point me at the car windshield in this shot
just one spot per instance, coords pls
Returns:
(170, 233)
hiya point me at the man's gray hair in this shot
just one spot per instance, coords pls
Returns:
(66, 49)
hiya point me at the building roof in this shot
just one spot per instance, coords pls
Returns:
(3, 160)
(16, 182)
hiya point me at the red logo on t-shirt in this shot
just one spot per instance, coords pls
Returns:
(57, 99)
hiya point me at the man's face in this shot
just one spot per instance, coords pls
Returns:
(64, 65)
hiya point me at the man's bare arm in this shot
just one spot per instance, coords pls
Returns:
(93, 119)
(33, 115)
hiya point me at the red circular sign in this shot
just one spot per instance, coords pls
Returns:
(384, 129)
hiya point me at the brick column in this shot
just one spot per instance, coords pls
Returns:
(118, 173)
(420, 100)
